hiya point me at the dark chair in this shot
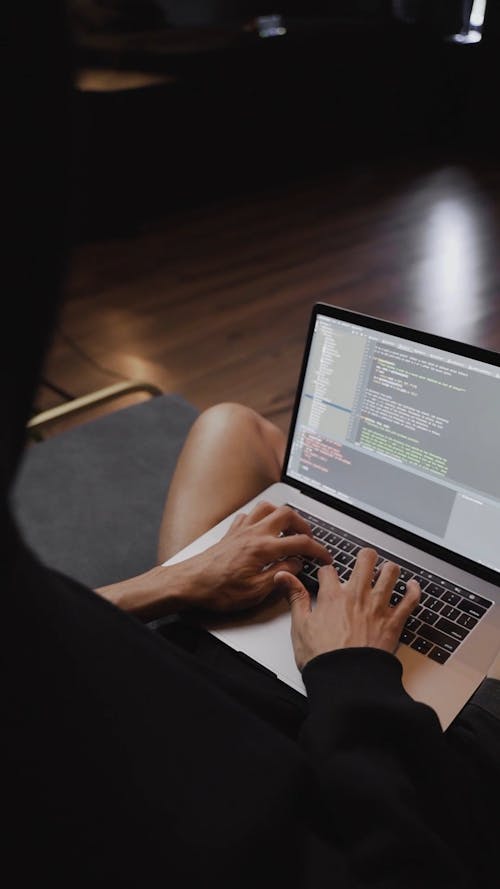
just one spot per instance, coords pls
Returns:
(89, 501)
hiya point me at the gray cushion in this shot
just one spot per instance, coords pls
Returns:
(89, 501)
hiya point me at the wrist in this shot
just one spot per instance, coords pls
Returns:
(158, 592)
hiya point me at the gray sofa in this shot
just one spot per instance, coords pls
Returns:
(89, 501)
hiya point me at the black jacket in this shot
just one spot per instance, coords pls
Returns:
(125, 765)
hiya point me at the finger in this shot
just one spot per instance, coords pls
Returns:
(298, 544)
(362, 573)
(237, 522)
(409, 601)
(376, 573)
(260, 511)
(267, 576)
(389, 574)
(328, 580)
(293, 565)
(296, 594)
(284, 518)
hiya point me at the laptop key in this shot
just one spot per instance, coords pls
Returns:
(465, 620)
(478, 600)
(471, 608)
(307, 567)
(407, 637)
(333, 539)
(395, 599)
(428, 617)
(400, 587)
(344, 573)
(344, 559)
(434, 604)
(319, 533)
(413, 624)
(439, 638)
(450, 612)
(439, 655)
(405, 575)
(434, 590)
(330, 548)
(450, 598)
(311, 585)
(452, 629)
(346, 546)
(421, 645)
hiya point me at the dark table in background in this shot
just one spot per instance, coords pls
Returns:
(225, 111)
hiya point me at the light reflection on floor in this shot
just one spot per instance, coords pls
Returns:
(444, 247)
(448, 285)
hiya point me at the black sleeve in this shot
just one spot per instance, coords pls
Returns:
(384, 791)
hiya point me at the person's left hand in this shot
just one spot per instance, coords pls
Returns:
(354, 614)
(238, 572)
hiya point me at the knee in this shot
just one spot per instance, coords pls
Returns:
(229, 415)
(233, 428)
(230, 420)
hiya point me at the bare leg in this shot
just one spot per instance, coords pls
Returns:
(230, 455)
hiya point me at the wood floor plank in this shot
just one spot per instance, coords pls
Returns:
(213, 302)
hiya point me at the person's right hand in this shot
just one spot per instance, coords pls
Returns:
(348, 615)
(238, 571)
(235, 573)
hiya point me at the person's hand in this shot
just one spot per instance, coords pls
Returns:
(348, 615)
(238, 572)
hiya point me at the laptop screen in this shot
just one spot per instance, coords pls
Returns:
(404, 431)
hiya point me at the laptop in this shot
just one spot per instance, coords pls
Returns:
(394, 443)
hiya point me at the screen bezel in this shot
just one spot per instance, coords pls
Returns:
(427, 339)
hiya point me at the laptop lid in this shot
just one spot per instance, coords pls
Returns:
(401, 429)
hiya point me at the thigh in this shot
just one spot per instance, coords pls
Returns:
(476, 731)
(474, 742)
(230, 455)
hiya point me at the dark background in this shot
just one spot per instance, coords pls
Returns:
(349, 82)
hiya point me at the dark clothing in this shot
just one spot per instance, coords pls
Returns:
(131, 761)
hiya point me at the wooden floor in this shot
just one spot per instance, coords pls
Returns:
(213, 302)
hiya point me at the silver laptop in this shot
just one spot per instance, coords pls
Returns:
(395, 443)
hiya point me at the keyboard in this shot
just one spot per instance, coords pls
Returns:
(446, 613)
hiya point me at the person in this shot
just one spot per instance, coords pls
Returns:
(132, 758)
